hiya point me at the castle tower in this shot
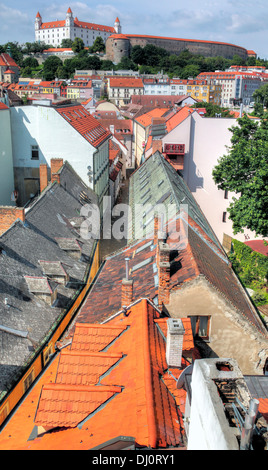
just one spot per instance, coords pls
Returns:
(69, 21)
(38, 21)
(117, 26)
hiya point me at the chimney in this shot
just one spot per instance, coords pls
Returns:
(163, 263)
(8, 215)
(127, 289)
(56, 164)
(175, 332)
(159, 231)
(157, 145)
(43, 176)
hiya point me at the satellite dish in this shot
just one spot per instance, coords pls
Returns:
(181, 379)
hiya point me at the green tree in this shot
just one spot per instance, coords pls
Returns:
(78, 45)
(98, 45)
(213, 110)
(30, 62)
(50, 66)
(137, 55)
(260, 97)
(190, 70)
(126, 64)
(67, 43)
(107, 65)
(244, 171)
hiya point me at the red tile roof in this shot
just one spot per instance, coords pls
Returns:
(90, 128)
(3, 106)
(258, 245)
(177, 118)
(126, 82)
(7, 61)
(79, 24)
(141, 404)
(146, 119)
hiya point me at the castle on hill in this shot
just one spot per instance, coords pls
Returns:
(53, 32)
(119, 45)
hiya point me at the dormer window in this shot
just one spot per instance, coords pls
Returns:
(54, 271)
(42, 288)
(71, 246)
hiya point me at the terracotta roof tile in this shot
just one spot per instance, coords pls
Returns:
(130, 380)
(90, 128)
(146, 119)
(125, 82)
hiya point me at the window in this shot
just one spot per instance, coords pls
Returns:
(200, 326)
(224, 215)
(28, 381)
(35, 152)
(226, 194)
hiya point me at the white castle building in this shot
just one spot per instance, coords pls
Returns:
(53, 32)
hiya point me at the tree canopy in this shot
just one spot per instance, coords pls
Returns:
(261, 99)
(244, 171)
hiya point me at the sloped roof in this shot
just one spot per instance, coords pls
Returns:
(82, 121)
(118, 384)
(7, 61)
(178, 118)
(118, 82)
(23, 246)
(146, 119)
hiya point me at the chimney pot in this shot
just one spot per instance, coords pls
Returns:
(56, 164)
(175, 333)
(43, 174)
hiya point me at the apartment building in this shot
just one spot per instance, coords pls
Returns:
(120, 90)
(237, 87)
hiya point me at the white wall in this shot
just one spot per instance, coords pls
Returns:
(209, 428)
(6, 162)
(205, 142)
(56, 138)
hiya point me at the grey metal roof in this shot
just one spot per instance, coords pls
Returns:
(164, 187)
(23, 247)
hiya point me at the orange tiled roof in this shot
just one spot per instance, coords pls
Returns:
(126, 82)
(3, 106)
(146, 119)
(89, 127)
(7, 61)
(175, 120)
(79, 24)
(141, 404)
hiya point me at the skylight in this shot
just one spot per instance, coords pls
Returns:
(142, 264)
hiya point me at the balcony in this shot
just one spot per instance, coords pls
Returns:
(174, 153)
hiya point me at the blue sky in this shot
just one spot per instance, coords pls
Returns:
(244, 23)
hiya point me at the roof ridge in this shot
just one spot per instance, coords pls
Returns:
(82, 388)
(148, 382)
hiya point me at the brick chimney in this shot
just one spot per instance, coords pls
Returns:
(43, 173)
(55, 164)
(159, 231)
(8, 215)
(157, 145)
(175, 332)
(127, 289)
(163, 264)
(127, 292)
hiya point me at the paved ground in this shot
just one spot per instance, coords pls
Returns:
(109, 246)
